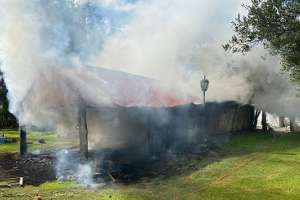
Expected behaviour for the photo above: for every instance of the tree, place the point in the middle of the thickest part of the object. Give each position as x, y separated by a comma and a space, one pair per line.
293, 124
264, 121
276, 25
3, 93
281, 121
256, 115
7, 120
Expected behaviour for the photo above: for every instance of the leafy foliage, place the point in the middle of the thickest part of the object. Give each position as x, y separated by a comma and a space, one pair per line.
7, 120
276, 25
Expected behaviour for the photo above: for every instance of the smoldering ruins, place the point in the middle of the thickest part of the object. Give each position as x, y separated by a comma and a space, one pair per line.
142, 99
129, 137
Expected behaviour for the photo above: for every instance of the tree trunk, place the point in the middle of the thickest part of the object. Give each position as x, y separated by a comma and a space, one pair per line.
264, 121
292, 124
281, 121
83, 133
257, 113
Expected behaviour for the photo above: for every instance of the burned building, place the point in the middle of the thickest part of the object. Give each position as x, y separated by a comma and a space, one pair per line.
117, 110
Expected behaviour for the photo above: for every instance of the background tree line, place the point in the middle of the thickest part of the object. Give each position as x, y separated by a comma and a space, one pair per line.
276, 25
7, 120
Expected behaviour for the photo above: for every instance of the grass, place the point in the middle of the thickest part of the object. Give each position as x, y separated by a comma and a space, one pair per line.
52, 141
254, 166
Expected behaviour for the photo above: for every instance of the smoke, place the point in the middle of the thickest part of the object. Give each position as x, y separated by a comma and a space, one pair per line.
180, 41
68, 167
85, 175
45, 46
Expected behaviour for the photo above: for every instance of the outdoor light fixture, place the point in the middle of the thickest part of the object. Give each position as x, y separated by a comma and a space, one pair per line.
204, 87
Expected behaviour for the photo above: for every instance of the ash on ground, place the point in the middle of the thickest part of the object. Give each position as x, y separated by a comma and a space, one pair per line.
102, 167
35, 168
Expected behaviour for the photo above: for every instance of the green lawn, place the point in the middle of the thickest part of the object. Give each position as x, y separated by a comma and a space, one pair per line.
254, 166
52, 141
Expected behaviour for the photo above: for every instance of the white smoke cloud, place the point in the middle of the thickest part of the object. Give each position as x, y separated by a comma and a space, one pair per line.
45, 45
180, 41
68, 167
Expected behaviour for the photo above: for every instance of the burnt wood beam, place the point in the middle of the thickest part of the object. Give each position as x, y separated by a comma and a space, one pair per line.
83, 133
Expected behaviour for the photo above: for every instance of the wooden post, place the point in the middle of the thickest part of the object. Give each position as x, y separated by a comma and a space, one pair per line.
21, 181
83, 133
23, 141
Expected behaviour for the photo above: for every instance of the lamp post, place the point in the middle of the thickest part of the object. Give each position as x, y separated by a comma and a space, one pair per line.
204, 87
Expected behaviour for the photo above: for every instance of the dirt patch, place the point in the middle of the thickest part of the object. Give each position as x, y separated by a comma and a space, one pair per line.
40, 168
35, 169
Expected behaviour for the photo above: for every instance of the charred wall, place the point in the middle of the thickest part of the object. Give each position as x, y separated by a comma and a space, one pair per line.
155, 131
